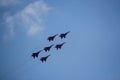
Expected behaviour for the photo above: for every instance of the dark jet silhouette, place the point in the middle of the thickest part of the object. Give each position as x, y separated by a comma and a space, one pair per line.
51, 38
36, 54
48, 48
63, 35
58, 46
44, 58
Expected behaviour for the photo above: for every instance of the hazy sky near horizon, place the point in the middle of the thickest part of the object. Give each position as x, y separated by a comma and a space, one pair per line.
92, 49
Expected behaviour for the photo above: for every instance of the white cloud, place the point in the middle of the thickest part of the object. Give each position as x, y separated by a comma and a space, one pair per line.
30, 18
33, 29
9, 21
8, 2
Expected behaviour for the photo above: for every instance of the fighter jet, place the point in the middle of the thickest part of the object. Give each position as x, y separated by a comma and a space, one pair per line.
63, 35
48, 48
44, 58
51, 38
58, 46
35, 55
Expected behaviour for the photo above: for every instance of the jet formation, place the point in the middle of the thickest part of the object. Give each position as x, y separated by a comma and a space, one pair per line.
48, 48
51, 38
35, 55
43, 59
58, 46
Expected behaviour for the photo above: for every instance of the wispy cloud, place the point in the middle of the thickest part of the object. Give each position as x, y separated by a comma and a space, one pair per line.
30, 18
8, 2
10, 32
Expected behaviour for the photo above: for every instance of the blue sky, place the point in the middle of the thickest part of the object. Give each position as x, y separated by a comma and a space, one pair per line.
92, 49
